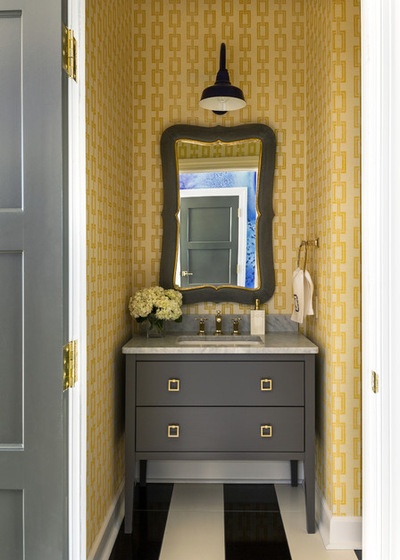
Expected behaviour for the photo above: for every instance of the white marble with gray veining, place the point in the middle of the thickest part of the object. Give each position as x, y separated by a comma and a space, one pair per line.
272, 343
190, 323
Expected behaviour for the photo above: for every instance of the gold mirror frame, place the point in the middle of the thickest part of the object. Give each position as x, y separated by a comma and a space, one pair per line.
170, 172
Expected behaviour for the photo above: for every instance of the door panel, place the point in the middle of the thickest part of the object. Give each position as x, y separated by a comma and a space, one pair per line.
209, 266
11, 531
10, 109
209, 240
32, 286
11, 308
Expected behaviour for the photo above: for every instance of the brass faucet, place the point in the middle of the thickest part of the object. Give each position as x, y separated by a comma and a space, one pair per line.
202, 326
236, 325
218, 323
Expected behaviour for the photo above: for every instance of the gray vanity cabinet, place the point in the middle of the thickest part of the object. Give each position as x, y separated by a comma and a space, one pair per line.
216, 406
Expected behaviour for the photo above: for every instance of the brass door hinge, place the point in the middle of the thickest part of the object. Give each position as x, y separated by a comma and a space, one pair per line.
70, 360
69, 52
374, 382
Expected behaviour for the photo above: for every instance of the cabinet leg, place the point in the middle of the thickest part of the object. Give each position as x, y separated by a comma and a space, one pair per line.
309, 487
142, 472
294, 473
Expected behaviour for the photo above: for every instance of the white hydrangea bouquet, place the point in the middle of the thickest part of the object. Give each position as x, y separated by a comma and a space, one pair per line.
156, 305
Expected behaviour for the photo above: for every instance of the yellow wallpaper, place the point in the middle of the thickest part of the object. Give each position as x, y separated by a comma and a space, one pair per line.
109, 245
333, 215
297, 62
176, 54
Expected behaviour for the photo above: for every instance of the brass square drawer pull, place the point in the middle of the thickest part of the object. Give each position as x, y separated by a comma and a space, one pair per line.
173, 430
266, 384
266, 430
174, 385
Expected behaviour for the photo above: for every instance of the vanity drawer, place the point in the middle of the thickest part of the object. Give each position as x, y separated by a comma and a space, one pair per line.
220, 429
208, 383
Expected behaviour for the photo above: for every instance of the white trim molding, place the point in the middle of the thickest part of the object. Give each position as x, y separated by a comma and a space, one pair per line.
337, 532
77, 287
380, 94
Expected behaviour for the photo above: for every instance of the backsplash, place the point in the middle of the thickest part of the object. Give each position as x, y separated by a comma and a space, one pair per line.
190, 324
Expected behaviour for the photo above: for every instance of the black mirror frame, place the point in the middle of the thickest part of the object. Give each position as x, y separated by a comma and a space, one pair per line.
171, 206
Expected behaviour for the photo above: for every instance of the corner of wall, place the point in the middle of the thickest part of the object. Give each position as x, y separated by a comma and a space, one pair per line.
104, 542
337, 532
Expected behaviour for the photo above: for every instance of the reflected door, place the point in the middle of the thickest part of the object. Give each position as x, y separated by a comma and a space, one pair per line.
209, 240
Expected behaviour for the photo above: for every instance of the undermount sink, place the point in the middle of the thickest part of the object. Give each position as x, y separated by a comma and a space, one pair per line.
220, 340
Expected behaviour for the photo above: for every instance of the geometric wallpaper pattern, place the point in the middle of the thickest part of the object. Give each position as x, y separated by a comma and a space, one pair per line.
298, 64
109, 146
333, 215
175, 55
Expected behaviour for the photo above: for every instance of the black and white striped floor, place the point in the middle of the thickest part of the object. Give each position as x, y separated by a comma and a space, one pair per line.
221, 522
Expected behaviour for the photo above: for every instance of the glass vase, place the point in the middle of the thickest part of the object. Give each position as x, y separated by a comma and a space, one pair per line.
152, 327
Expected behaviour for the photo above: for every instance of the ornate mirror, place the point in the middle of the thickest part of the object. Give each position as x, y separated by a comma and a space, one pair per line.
217, 214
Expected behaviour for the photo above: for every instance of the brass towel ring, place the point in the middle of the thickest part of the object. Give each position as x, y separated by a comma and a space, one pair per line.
302, 244
306, 244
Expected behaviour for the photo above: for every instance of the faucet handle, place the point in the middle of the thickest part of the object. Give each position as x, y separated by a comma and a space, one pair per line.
236, 325
202, 325
218, 323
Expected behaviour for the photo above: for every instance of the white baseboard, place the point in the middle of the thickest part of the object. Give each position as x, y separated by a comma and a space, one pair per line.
337, 532
104, 542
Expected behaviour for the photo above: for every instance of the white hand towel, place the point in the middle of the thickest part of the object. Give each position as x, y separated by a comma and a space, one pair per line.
303, 289
298, 295
308, 294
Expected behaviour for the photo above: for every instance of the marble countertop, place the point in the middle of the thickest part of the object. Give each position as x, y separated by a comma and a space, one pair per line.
272, 343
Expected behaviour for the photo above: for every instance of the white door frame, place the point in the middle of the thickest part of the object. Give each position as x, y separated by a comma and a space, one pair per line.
380, 23
77, 288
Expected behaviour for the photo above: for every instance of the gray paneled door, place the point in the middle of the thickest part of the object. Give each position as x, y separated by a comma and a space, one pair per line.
209, 240
32, 282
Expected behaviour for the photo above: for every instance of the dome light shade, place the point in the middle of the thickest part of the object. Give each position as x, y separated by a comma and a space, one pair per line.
222, 96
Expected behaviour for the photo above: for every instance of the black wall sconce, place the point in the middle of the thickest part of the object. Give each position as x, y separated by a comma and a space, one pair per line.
222, 96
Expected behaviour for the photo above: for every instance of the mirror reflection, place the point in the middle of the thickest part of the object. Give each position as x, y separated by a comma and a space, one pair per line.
217, 213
